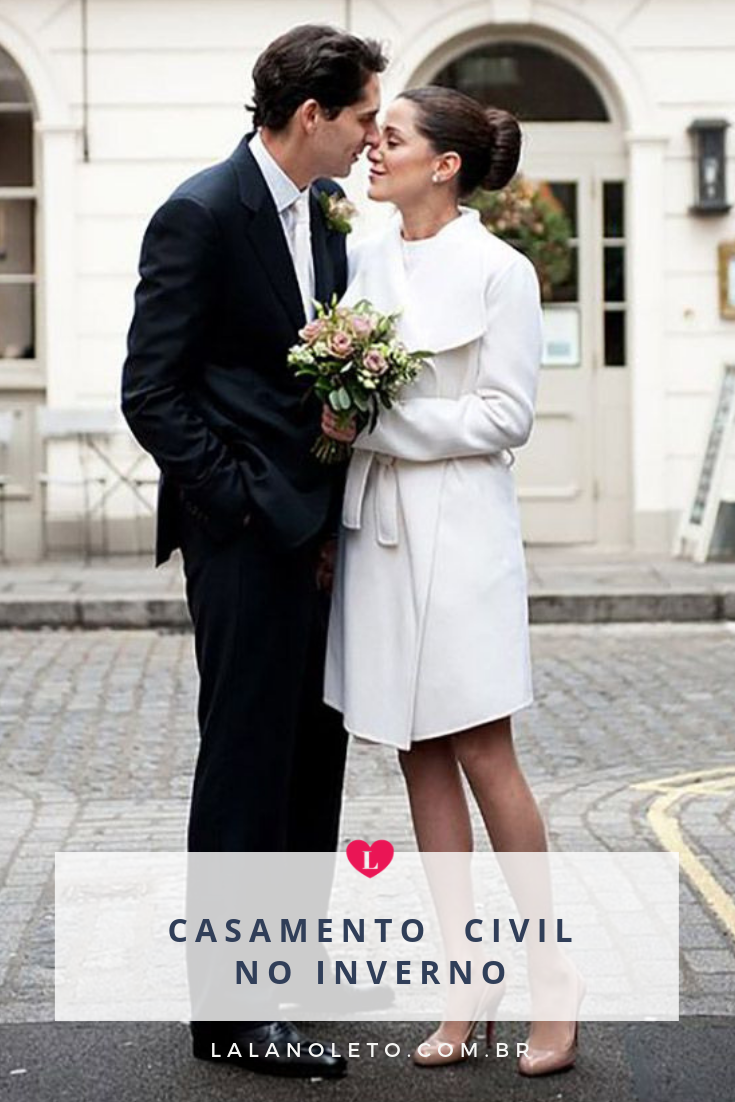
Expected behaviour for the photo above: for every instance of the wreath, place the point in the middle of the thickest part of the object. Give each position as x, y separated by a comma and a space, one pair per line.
529, 217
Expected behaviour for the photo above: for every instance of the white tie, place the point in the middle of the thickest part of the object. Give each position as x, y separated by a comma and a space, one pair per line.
301, 249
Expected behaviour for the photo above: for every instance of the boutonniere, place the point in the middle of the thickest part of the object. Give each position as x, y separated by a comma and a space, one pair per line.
338, 212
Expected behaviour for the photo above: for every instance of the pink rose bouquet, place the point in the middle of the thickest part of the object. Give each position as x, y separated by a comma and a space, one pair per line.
358, 366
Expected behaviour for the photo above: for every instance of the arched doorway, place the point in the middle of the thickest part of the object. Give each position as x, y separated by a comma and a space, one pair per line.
574, 476
21, 372
17, 215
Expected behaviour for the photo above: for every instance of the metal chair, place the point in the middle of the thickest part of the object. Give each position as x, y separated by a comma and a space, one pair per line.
141, 483
102, 471
86, 427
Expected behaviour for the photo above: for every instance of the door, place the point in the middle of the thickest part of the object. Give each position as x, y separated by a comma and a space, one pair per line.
21, 372
572, 476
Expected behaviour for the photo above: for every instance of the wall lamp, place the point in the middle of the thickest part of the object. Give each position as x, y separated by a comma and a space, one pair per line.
710, 182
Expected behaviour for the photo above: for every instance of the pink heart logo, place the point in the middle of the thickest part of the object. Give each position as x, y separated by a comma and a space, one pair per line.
370, 860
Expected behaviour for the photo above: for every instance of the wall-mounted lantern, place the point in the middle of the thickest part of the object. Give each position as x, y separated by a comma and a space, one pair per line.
708, 138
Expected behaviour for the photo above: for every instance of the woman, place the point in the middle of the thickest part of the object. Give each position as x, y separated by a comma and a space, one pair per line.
428, 645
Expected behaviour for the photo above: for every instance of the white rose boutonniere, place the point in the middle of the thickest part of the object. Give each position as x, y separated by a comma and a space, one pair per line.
338, 212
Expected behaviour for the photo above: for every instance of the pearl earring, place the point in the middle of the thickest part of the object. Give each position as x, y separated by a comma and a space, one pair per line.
435, 179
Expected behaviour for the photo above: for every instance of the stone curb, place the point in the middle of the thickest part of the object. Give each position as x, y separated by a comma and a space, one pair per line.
114, 611
94, 612
666, 606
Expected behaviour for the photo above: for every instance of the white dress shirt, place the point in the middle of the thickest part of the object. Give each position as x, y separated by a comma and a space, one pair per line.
285, 196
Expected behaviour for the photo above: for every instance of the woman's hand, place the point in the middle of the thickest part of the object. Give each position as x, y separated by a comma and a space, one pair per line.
336, 428
325, 566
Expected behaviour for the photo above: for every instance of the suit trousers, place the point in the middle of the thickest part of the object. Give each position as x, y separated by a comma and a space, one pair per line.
272, 755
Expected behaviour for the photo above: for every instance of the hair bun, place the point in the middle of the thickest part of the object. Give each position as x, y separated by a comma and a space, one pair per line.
506, 148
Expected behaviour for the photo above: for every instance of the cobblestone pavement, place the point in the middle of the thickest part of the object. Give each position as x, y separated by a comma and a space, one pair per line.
97, 742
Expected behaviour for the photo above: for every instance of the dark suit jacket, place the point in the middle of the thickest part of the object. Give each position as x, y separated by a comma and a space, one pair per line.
206, 388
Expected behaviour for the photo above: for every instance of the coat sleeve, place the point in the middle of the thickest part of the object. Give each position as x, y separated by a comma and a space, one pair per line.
166, 343
498, 414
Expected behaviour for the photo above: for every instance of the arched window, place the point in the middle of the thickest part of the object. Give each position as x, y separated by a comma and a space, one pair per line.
17, 215
536, 84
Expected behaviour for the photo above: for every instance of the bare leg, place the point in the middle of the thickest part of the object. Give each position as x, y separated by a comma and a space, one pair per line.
507, 805
514, 824
441, 823
441, 818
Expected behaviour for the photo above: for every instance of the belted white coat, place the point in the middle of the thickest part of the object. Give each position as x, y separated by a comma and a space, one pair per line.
428, 630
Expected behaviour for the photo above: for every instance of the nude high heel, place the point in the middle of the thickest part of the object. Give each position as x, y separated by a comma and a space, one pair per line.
548, 1061
436, 1050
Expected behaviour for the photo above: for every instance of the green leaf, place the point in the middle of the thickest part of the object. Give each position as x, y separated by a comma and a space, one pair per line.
343, 398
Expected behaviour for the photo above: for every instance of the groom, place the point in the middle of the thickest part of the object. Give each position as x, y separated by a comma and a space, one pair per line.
229, 267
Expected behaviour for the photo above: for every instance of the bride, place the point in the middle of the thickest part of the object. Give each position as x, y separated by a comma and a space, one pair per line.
428, 641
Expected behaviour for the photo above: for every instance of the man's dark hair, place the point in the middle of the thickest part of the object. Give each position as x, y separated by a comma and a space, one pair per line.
312, 62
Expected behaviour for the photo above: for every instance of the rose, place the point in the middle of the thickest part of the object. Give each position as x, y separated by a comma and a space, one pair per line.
343, 208
340, 345
338, 212
375, 362
361, 325
312, 331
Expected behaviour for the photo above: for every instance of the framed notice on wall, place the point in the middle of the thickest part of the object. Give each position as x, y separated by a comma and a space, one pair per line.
727, 280
699, 520
561, 336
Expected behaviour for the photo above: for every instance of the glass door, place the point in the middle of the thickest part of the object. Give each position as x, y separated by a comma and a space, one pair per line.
578, 451
22, 384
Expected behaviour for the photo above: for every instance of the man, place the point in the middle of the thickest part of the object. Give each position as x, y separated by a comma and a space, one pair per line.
228, 273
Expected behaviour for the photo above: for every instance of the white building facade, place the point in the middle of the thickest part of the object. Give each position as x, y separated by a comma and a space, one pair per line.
105, 105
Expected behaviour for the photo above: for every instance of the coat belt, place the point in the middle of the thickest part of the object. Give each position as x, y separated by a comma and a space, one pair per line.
386, 492
386, 495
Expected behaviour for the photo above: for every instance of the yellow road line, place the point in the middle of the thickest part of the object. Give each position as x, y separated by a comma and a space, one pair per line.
664, 823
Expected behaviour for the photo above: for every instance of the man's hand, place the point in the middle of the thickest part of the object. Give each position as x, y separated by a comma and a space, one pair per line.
334, 426
325, 566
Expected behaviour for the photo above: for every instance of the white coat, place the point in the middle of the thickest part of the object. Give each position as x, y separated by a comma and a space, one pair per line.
428, 630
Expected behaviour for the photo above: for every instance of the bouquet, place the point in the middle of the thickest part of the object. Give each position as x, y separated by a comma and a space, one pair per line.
357, 364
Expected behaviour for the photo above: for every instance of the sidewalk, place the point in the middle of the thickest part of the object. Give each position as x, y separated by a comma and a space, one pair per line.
565, 587
97, 753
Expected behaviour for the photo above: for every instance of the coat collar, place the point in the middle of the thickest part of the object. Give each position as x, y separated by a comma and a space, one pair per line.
441, 302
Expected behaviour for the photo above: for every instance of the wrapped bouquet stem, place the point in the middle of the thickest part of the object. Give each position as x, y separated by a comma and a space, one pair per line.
357, 364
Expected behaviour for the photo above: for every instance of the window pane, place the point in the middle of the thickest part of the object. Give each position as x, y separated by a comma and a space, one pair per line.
16, 321
16, 237
614, 273
614, 338
568, 291
613, 210
12, 86
566, 194
534, 83
16, 149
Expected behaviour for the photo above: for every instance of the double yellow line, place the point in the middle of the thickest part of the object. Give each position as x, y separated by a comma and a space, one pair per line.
665, 825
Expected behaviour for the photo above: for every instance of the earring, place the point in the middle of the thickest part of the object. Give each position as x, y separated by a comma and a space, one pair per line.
435, 178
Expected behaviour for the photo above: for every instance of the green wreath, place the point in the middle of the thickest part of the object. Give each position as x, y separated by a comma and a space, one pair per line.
531, 219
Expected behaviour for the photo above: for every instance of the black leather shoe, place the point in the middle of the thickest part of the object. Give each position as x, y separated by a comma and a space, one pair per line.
248, 1048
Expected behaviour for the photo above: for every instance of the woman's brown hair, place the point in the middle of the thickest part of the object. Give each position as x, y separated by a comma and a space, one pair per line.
487, 139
